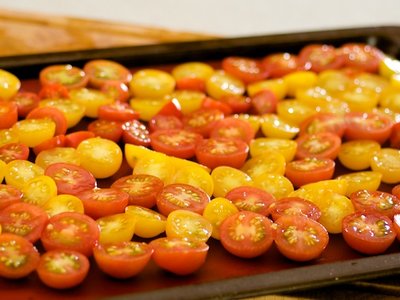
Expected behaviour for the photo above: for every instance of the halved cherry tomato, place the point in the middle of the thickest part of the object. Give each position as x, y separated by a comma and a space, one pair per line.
237, 103
275, 127
368, 233
202, 121
376, 202
368, 126
101, 202
54, 114
9, 195
269, 162
176, 142
357, 154
101, 71
8, 114
364, 180
117, 111
55, 141
193, 174
247, 69
18, 172
73, 111
70, 179
246, 234
179, 256
319, 145
251, 199
116, 228
70, 231
149, 223
286, 147
280, 64
192, 75
317, 57
216, 152
361, 56
106, 129
394, 138
386, 161
300, 238
226, 178
294, 206
124, 259
13, 151
19, 257
210, 103
277, 185
63, 203
162, 122
90, 99
9, 84
39, 190
53, 91
171, 108
33, 132
181, 196
221, 84
188, 100
23, 219
135, 132
151, 83
323, 122
233, 128
264, 102
309, 169
69, 76
182, 223
73, 139
26, 101
119, 91
57, 155
141, 188
62, 269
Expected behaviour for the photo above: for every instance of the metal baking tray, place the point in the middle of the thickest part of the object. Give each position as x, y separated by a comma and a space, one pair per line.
223, 276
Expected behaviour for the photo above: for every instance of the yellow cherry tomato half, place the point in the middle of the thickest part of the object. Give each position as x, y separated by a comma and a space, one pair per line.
286, 147
275, 127
226, 178
73, 111
196, 176
277, 86
58, 154
33, 132
149, 223
269, 162
294, 112
63, 203
363, 180
151, 83
386, 161
18, 172
156, 164
277, 185
39, 190
189, 101
356, 155
8, 136
9, 84
91, 99
299, 80
223, 84
116, 228
147, 107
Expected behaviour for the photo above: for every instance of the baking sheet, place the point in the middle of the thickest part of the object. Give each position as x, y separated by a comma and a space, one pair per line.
224, 276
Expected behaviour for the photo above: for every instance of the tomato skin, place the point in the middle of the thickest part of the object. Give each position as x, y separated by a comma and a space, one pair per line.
101, 202
181, 196
142, 189
251, 199
300, 238
101, 71
216, 152
309, 169
9, 195
247, 69
70, 179
319, 145
23, 219
376, 201
124, 259
179, 256
10, 84
368, 126
176, 142
368, 233
257, 235
8, 114
23, 255
63, 269
317, 58
289, 206
280, 64
13, 151
70, 231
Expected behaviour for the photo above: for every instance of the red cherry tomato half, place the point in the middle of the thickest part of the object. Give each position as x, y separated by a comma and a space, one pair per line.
264, 102
246, 234
70, 179
171, 108
323, 122
210, 103
319, 145
141, 188
26, 101
117, 111
23, 219
13, 151
368, 126
251, 199
70, 231
53, 113
222, 152
63, 269
318, 58
191, 84
179, 256
9, 195
237, 103
53, 91
233, 128
309, 169
280, 64
181, 196
19, 257
294, 206
111, 130
118, 91
55, 141
376, 201
163, 122
300, 238
135, 132
361, 56
246, 69
101, 202
8, 114
202, 121
368, 233
124, 259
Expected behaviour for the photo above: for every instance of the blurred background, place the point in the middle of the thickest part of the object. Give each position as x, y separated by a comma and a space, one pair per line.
224, 18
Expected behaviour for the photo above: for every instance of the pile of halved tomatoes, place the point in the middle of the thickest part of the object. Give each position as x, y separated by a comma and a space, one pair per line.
283, 150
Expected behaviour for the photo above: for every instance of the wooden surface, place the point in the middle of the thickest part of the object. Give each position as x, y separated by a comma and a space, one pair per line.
27, 33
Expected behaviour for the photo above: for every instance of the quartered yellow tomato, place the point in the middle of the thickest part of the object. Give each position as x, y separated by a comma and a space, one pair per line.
226, 178
116, 228
216, 211
286, 147
39, 190
151, 83
386, 161
188, 225
356, 155
149, 223
33, 132
18, 172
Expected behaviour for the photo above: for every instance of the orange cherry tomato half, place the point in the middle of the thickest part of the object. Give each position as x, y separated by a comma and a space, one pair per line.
13, 151
66, 75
